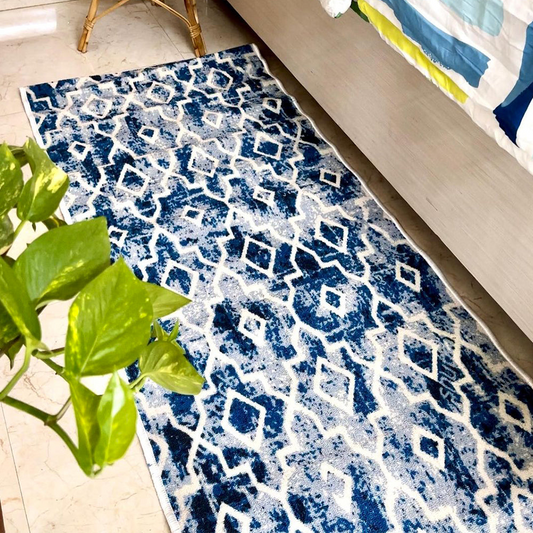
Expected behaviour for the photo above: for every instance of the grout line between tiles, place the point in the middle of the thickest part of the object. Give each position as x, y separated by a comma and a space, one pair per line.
148, 8
37, 5
15, 466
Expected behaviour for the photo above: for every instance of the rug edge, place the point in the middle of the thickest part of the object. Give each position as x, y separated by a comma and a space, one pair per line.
155, 474
138, 69
528, 380
142, 434
29, 114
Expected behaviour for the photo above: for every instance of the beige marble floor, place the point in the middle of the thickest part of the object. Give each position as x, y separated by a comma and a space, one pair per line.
41, 488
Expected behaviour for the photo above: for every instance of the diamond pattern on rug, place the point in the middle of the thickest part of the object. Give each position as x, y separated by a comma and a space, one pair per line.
347, 388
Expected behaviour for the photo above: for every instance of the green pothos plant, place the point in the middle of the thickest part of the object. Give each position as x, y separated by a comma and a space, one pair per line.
112, 320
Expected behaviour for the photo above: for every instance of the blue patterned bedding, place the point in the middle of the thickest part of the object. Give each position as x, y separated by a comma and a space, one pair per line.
480, 52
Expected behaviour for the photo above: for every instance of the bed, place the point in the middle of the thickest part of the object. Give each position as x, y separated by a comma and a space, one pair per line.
472, 193
479, 52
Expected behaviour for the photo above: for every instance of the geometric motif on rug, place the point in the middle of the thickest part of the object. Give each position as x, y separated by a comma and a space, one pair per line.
347, 389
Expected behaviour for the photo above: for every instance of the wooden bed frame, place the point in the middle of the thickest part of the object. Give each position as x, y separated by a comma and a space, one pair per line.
471, 193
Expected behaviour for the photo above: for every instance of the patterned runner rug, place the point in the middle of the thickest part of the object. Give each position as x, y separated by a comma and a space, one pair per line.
347, 387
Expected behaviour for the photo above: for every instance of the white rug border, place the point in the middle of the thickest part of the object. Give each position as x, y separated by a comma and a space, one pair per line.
415, 246
142, 434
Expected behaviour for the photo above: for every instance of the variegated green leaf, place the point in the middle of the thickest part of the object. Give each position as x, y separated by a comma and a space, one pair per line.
85, 404
42, 193
17, 304
62, 261
19, 154
108, 321
6, 233
8, 333
54, 222
10, 180
164, 301
165, 363
117, 418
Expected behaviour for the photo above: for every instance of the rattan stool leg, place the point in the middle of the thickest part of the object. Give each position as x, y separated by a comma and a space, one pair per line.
194, 28
88, 26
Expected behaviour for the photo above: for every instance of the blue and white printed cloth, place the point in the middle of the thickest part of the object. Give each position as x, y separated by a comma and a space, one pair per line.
347, 389
483, 50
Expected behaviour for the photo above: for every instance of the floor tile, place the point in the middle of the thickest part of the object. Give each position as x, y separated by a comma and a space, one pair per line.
221, 26
123, 498
15, 128
127, 38
17, 4
10, 494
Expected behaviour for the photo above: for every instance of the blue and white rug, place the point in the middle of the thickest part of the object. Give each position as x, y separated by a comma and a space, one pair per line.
347, 387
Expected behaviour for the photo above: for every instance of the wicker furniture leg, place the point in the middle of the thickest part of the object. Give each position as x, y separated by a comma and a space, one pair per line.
88, 26
191, 20
194, 28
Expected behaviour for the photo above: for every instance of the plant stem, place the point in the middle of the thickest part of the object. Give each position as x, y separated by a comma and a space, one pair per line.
41, 415
7, 389
58, 351
58, 369
19, 228
41, 354
59, 414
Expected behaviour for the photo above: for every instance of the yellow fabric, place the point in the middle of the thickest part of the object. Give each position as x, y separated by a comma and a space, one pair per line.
395, 36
